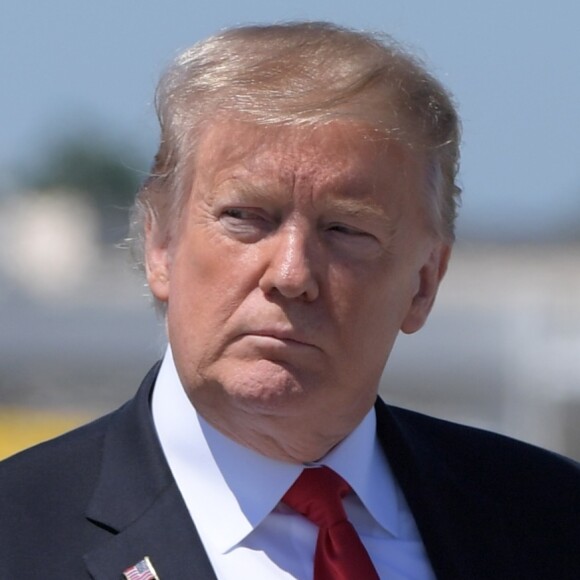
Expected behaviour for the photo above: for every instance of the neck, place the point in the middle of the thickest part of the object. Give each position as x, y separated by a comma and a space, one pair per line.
279, 438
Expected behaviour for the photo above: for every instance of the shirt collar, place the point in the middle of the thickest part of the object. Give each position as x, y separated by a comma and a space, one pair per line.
229, 478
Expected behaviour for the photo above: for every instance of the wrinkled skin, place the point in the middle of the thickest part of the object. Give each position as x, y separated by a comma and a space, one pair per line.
299, 256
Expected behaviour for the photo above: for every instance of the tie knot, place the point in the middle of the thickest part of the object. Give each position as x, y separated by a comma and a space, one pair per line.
317, 494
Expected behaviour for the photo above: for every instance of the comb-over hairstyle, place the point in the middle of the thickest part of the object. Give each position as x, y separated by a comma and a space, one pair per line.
303, 73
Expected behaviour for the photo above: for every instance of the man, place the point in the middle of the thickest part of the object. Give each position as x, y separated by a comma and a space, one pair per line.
299, 215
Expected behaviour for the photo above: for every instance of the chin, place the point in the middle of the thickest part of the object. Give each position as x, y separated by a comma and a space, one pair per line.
266, 385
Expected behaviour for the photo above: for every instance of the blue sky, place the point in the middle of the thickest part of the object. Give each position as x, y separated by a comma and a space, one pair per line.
514, 68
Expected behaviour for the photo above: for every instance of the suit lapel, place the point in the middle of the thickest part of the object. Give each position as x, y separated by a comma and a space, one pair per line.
137, 500
460, 525
165, 534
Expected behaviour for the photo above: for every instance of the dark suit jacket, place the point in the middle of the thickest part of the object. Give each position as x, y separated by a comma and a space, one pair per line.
95, 501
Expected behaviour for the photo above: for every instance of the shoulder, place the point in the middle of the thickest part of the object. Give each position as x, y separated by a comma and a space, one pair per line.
486, 456
65, 464
61, 472
53, 491
478, 449
67, 446
45, 491
79, 449
518, 479
512, 504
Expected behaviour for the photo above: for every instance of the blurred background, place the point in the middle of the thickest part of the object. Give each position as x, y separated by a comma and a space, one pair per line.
77, 330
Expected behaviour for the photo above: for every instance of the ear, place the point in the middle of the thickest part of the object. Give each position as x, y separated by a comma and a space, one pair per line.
430, 276
156, 260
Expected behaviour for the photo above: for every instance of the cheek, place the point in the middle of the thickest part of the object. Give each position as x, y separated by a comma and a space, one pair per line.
371, 308
198, 263
210, 279
217, 257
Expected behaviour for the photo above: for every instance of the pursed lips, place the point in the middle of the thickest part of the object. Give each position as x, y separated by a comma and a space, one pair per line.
283, 335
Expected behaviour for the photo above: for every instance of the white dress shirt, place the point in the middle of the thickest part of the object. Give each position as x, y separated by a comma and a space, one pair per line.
233, 495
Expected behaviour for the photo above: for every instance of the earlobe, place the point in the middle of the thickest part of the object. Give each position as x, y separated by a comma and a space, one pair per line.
156, 261
430, 276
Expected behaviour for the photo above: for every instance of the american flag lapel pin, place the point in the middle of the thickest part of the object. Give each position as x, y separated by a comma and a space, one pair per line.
142, 570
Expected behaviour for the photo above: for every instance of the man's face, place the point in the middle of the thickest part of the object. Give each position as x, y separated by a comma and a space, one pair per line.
298, 257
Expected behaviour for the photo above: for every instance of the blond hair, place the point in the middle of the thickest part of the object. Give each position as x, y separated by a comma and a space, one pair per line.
299, 73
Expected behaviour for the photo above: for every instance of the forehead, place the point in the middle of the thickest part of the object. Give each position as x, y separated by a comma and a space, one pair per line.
342, 157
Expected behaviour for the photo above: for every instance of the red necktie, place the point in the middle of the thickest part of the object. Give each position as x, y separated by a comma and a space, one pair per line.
340, 555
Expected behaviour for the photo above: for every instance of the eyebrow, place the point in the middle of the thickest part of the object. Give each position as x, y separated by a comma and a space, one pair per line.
352, 207
358, 208
235, 185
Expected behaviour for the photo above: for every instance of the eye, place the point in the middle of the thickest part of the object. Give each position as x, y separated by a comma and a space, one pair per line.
352, 242
247, 224
345, 230
240, 214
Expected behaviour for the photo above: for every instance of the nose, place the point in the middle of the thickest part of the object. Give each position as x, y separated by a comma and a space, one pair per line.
291, 265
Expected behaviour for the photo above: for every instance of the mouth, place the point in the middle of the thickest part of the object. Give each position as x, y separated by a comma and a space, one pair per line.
288, 337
